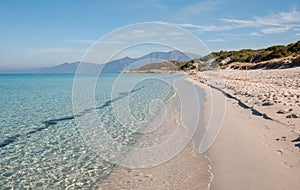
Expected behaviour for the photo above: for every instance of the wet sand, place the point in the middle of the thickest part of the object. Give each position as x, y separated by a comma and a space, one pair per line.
187, 170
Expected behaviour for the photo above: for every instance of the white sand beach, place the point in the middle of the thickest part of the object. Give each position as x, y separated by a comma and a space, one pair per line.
257, 148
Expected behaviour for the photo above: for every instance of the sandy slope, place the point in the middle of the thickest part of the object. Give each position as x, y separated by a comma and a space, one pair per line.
246, 154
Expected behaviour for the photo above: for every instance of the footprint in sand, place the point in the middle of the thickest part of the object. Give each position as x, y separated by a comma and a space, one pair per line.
281, 139
287, 165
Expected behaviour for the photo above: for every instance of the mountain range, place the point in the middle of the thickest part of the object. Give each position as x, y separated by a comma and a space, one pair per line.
115, 66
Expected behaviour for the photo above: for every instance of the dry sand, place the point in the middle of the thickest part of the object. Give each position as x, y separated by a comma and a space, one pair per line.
252, 152
275, 93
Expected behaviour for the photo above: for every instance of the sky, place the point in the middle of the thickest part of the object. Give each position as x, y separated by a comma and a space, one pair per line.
50, 32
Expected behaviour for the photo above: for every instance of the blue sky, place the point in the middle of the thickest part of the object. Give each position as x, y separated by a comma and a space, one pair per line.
50, 32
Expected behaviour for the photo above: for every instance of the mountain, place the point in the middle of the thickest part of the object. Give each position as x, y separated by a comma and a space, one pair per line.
70, 68
128, 63
115, 66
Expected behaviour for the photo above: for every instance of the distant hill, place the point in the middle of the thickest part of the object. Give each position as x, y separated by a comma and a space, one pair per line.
60, 69
168, 65
70, 68
115, 66
164, 67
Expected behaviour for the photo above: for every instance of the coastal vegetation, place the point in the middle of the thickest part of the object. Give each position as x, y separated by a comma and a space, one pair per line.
224, 58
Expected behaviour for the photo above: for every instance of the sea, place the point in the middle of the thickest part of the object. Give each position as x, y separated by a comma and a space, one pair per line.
42, 145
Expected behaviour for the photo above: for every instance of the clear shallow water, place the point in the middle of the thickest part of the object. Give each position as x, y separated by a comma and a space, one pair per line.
40, 144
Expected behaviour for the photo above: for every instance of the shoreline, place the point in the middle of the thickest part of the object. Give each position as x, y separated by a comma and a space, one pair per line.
187, 170
252, 151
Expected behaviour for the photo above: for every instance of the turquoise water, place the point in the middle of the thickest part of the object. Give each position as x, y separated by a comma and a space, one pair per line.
40, 143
